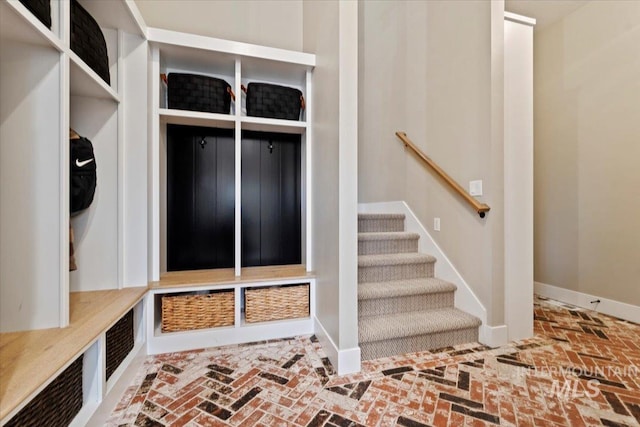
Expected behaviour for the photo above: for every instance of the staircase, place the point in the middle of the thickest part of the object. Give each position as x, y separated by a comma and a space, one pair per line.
402, 308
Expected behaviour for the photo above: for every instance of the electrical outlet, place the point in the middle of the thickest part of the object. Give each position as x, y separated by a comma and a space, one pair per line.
436, 224
475, 188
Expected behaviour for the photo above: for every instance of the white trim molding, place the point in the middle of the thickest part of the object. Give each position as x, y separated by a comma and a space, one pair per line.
520, 19
465, 299
605, 306
493, 336
344, 361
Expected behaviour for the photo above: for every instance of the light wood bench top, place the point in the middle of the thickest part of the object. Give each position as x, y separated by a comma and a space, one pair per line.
29, 359
226, 276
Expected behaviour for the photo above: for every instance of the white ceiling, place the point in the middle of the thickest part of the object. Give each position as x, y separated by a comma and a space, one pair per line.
544, 11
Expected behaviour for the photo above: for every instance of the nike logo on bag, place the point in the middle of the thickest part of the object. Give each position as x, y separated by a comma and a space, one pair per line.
83, 163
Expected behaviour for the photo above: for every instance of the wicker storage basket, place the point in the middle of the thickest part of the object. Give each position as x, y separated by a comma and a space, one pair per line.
198, 93
57, 404
273, 101
188, 312
276, 303
87, 41
41, 9
119, 342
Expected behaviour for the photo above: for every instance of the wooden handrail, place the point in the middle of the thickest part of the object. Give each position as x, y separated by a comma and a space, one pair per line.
480, 208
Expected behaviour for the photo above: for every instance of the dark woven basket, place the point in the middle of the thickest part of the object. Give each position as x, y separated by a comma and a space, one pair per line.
195, 92
87, 41
119, 342
273, 101
41, 9
57, 404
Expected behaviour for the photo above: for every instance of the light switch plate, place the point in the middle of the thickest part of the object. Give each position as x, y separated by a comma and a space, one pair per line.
475, 188
436, 224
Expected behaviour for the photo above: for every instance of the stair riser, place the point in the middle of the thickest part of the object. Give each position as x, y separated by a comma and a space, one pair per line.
395, 246
405, 304
380, 225
386, 348
384, 273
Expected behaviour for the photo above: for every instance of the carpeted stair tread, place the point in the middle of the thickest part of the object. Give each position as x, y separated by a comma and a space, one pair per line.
402, 288
371, 216
394, 259
388, 235
394, 326
402, 308
368, 223
389, 242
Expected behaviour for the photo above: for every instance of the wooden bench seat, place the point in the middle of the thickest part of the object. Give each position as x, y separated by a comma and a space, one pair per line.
30, 360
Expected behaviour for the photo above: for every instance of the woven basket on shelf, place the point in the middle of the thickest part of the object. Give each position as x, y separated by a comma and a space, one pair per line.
119, 342
276, 303
196, 92
41, 9
273, 101
87, 41
189, 312
56, 405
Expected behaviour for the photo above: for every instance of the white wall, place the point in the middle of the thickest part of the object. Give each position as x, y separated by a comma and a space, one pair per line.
587, 146
330, 31
275, 23
434, 70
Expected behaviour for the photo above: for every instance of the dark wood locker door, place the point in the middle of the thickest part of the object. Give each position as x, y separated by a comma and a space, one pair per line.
271, 199
200, 198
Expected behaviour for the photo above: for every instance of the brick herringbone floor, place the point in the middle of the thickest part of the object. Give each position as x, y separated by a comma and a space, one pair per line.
581, 369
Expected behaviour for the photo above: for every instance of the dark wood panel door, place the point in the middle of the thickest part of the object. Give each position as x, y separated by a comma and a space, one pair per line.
271, 199
200, 198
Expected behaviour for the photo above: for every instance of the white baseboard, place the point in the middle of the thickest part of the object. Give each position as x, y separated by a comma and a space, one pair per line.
493, 336
465, 299
606, 306
344, 361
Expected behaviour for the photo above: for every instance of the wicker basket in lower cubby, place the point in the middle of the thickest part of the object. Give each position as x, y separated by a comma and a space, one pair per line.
120, 341
186, 312
56, 405
276, 303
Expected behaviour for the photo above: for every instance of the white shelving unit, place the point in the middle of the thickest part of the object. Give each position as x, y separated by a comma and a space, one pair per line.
46, 89
238, 64
240, 332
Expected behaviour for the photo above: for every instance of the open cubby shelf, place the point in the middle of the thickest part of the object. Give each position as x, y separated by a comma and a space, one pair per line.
203, 281
237, 64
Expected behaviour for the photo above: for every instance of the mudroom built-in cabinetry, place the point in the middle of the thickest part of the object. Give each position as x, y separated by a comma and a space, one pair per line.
229, 198
192, 210
78, 330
